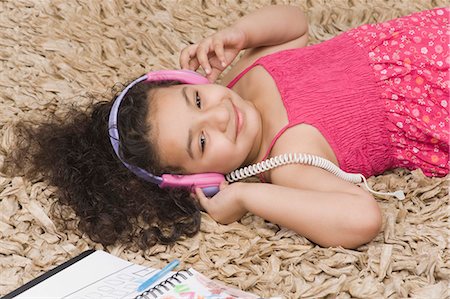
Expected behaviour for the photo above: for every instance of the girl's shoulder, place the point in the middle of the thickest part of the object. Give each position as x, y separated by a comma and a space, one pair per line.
306, 139
251, 55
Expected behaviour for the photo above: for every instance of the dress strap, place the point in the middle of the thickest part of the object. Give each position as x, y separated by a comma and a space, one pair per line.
272, 143
241, 74
275, 140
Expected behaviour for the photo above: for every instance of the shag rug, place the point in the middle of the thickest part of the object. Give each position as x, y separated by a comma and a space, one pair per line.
53, 53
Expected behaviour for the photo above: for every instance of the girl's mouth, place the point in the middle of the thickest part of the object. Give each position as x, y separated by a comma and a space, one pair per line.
238, 120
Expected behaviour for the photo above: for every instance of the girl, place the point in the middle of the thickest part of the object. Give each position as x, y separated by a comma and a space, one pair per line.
371, 99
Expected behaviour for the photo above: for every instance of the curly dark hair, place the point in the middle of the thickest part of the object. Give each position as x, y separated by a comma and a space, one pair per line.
73, 152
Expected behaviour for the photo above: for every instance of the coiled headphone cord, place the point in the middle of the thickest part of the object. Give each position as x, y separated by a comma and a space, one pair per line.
308, 159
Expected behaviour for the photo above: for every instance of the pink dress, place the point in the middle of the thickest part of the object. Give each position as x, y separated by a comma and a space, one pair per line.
378, 93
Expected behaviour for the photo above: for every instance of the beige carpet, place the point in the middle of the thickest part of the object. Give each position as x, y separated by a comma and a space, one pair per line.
52, 53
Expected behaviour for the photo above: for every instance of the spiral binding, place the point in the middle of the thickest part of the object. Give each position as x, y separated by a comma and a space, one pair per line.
308, 159
165, 286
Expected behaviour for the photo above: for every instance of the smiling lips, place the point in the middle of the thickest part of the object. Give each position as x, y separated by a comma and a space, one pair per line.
238, 120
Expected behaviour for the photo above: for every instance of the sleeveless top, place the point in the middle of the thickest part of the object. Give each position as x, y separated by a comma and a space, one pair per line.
331, 87
377, 93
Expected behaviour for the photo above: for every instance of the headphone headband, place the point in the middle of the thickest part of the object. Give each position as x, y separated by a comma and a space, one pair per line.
183, 76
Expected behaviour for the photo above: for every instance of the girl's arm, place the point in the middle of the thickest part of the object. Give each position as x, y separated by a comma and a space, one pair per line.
272, 25
326, 218
326, 210
266, 30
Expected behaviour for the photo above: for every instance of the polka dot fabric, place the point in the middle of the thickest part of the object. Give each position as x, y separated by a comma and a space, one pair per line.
410, 60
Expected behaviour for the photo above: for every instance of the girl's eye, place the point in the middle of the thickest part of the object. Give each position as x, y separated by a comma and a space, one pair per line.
198, 101
202, 142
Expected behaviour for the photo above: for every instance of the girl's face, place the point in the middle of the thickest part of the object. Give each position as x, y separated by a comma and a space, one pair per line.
204, 128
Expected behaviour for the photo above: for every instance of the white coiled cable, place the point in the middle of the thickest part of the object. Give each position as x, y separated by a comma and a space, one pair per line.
308, 159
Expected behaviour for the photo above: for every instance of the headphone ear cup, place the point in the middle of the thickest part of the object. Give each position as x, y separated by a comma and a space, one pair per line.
210, 191
208, 182
183, 76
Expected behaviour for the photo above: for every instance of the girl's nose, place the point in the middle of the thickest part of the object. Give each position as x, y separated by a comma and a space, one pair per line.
217, 117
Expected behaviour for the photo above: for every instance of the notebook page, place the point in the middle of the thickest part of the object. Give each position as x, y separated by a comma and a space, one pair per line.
199, 286
98, 275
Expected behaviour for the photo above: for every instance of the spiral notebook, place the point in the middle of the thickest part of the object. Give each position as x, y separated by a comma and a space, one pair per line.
97, 274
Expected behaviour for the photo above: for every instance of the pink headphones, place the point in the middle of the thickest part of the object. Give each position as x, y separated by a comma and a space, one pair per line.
208, 182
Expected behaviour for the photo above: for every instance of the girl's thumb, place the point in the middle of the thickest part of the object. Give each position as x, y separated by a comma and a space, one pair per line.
223, 185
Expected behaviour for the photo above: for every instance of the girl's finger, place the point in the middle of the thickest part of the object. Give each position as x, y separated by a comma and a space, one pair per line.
186, 56
220, 53
213, 75
202, 199
194, 197
223, 185
193, 64
202, 57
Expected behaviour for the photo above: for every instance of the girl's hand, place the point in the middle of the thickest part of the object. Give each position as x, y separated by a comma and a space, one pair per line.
213, 53
225, 207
